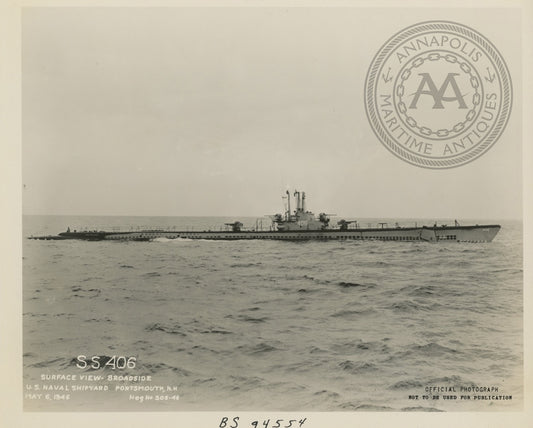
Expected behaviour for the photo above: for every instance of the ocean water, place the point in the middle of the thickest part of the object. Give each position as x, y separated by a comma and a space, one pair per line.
271, 325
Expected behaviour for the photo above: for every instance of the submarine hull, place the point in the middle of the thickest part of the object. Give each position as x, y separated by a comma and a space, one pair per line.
478, 233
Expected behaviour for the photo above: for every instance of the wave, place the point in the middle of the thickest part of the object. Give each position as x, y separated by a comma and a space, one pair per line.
422, 354
250, 319
432, 349
448, 380
421, 409
352, 313
166, 239
104, 319
355, 284
165, 329
91, 278
260, 348
324, 393
405, 306
246, 383
150, 274
407, 384
54, 362
240, 265
214, 330
315, 280
157, 368
317, 350
203, 381
366, 407
427, 290
357, 367
81, 292
355, 346
512, 271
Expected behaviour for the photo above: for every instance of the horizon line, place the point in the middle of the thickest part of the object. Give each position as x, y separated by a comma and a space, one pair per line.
267, 215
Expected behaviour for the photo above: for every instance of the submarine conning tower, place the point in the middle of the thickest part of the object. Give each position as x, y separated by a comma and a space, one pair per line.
300, 219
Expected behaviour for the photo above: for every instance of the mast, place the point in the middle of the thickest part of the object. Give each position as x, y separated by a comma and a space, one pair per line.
289, 205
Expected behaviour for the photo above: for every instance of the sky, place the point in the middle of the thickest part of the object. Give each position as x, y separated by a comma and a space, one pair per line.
218, 111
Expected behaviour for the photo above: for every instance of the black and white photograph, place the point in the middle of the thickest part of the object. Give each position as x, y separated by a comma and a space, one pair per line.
272, 213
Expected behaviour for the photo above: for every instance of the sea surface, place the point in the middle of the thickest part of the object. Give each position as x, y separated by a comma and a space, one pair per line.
271, 325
